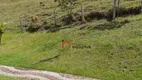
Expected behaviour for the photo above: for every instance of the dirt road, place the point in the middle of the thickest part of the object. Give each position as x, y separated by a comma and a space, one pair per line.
29, 74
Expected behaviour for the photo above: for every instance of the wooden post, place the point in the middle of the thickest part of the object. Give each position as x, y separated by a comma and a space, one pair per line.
114, 9
82, 14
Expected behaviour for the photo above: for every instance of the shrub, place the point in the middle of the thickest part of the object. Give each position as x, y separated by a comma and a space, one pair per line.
1, 30
96, 15
1, 27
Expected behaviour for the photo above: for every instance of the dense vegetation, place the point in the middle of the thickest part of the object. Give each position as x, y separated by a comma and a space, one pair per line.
116, 45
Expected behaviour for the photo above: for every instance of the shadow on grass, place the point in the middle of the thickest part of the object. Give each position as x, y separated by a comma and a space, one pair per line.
110, 25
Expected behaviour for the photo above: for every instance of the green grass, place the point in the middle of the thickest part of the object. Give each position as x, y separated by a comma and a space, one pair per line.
8, 78
115, 54
11, 10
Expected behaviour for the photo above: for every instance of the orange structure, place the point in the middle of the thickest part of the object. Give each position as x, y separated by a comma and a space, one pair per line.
66, 42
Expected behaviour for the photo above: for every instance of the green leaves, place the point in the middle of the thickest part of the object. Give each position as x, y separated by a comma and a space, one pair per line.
66, 4
2, 26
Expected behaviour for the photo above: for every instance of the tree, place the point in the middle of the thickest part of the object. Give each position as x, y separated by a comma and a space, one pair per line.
141, 6
1, 30
82, 14
55, 19
118, 3
114, 8
68, 5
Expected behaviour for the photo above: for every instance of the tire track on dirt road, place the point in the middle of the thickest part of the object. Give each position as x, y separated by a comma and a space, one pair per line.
37, 74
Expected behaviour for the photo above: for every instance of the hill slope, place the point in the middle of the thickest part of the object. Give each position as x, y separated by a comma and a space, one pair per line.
11, 10
114, 54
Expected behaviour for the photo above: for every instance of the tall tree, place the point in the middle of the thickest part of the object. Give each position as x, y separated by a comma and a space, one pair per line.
67, 4
114, 8
55, 18
118, 3
82, 14
141, 6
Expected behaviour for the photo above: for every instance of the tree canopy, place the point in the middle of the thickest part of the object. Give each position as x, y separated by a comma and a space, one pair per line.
66, 4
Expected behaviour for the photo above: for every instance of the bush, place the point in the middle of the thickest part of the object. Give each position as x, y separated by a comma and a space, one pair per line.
96, 15
71, 18
1, 27
124, 12
33, 27
1, 30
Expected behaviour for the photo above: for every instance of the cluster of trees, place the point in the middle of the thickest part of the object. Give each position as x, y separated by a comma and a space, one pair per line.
69, 5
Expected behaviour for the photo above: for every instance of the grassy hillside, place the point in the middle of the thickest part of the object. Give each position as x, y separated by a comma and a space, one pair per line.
115, 54
11, 10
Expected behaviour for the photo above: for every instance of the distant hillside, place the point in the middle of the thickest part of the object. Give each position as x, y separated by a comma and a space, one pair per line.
11, 10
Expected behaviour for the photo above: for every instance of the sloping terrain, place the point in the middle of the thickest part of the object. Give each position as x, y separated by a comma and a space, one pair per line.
27, 74
114, 53
11, 10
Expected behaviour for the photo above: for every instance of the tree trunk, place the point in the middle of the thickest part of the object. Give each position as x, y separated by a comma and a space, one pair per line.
21, 24
55, 20
114, 9
141, 6
0, 36
0, 39
82, 14
118, 4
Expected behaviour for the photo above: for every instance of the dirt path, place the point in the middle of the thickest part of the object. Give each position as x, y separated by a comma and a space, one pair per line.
37, 74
